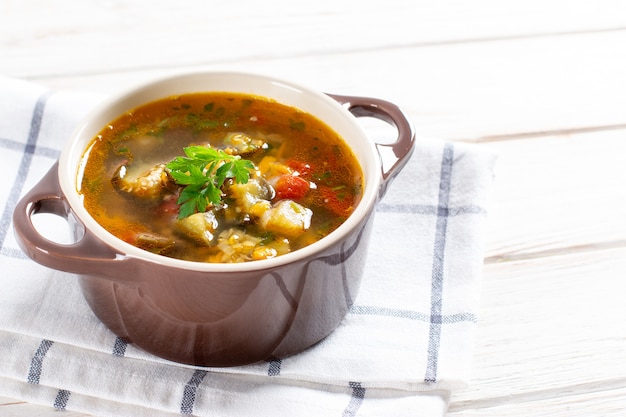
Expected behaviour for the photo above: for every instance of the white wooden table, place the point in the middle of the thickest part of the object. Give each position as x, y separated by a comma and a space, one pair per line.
541, 82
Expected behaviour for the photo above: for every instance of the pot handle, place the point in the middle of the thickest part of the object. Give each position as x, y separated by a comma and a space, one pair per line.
87, 255
393, 156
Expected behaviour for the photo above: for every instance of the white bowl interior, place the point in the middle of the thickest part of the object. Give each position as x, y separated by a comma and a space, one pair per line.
318, 104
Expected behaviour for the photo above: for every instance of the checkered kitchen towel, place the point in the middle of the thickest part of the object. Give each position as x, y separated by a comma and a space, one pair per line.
405, 345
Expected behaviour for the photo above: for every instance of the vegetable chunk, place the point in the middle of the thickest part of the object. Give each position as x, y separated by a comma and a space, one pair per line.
287, 218
199, 227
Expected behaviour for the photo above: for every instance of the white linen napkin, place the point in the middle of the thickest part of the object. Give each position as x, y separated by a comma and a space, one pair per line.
405, 345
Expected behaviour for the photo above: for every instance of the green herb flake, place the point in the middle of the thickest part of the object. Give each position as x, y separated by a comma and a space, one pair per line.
205, 125
128, 133
198, 123
266, 238
297, 125
322, 176
202, 172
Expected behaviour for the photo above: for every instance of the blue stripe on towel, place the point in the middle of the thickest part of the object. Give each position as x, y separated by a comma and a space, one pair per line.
358, 395
61, 400
413, 315
436, 295
426, 209
44, 151
119, 348
13, 253
189, 394
22, 173
36, 363
274, 367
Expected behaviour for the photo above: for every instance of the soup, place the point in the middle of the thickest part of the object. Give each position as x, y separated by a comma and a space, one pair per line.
219, 177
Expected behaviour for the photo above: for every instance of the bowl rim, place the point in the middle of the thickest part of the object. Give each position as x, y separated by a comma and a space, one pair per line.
69, 171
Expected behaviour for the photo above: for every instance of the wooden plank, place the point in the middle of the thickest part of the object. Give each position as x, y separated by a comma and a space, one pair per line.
459, 92
12, 407
4, 401
605, 403
70, 37
463, 71
550, 328
557, 193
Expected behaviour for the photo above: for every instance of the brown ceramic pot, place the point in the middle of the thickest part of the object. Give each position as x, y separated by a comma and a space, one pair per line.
218, 314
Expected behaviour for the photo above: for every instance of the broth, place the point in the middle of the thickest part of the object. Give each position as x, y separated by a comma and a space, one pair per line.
303, 181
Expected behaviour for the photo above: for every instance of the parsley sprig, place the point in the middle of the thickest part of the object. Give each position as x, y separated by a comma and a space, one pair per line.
202, 173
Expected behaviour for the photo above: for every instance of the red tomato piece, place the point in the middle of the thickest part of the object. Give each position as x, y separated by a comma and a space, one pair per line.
336, 201
301, 167
291, 187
